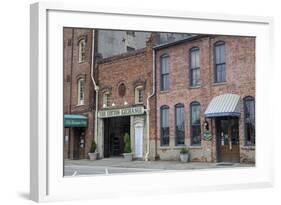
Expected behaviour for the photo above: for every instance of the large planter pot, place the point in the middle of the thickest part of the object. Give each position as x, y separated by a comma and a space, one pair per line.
128, 156
184, 157
93, 155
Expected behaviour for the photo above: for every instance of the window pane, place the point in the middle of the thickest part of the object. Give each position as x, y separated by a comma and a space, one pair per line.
164, 112
180, 125
195, 125
249, 117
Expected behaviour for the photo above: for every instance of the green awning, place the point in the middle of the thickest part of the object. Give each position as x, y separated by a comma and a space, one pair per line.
75, 121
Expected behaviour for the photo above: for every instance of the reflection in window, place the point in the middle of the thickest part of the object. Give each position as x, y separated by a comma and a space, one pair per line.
164, 122
194, 67
81, 91
164, 71
82, 50
195, 123
219, 57
179, 124
249, 118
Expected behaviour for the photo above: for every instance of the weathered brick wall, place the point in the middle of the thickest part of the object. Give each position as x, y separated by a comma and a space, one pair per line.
73, 70
240, 72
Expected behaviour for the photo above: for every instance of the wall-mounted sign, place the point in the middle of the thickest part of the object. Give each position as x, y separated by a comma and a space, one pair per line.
121, 112
207, 136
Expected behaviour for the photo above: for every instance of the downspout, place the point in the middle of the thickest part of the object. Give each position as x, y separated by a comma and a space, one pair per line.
148, 107
96, 87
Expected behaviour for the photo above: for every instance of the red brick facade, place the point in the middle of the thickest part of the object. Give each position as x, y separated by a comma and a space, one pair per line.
136, 68
73, 71
240, 80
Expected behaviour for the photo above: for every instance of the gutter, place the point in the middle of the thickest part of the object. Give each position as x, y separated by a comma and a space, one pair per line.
148, 107
96, 87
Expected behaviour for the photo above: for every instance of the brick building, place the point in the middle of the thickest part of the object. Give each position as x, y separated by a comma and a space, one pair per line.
78, 93
197, 93
205, 98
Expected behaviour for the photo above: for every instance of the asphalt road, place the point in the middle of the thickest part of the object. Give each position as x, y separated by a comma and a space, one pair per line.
75, 170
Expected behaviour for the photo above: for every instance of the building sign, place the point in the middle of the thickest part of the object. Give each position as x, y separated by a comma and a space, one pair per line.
75, 121
121, 112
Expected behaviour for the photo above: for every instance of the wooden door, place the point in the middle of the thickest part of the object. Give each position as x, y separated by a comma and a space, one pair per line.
228, 139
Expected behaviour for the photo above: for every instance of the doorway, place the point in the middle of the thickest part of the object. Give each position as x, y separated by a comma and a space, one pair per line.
138, 140
114, 131
227, 139
78, 143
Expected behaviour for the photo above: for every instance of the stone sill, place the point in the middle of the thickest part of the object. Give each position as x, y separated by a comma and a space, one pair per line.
164, 91
195, 147
195, 87
221, 83
248, 147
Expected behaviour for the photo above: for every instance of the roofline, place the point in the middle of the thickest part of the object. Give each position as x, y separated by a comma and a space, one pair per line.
181, 41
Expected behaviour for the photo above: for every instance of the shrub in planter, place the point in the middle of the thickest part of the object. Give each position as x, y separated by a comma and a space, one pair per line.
93, 154
128, 155
184, 155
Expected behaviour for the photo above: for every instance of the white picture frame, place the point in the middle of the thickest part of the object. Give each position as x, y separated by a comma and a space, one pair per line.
46, 140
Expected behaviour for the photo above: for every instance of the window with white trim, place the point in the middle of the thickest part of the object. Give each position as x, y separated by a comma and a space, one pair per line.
82, 50
139, 94
81, 91
106, 99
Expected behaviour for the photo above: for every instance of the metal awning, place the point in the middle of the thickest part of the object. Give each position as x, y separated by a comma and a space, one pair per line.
75, 121
223, 105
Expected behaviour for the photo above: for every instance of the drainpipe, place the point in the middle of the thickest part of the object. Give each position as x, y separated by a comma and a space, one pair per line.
96, 87
148, 107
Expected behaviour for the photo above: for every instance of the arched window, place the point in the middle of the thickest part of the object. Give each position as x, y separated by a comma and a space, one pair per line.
106, 99
164, 125
249, 120
195, 132
219, 62
82, 50
194, 66
164, 72
81, 91
179, 124
139, 94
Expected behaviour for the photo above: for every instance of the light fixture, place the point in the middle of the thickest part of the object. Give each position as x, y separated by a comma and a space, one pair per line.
125, 103
113, 104
104, 105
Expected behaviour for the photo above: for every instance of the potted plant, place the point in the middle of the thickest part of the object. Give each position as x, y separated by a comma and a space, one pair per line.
184, 155
128, 155
93, 154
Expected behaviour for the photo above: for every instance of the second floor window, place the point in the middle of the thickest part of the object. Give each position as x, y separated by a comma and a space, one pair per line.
219, 58
179, 124
195, 123
164, 126
106, 99
82, 50
81, 91
164, 72
194, 67
139, 94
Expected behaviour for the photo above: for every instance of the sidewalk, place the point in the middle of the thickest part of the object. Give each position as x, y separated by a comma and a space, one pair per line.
119, 162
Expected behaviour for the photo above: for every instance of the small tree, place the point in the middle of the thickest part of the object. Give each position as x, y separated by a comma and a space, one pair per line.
184, 150
127, 143
93, 147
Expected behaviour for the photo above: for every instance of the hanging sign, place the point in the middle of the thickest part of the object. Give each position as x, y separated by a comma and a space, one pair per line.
121, 112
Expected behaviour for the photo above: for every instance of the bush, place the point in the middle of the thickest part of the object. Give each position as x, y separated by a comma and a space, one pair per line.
127, 143
184, 150
93, 146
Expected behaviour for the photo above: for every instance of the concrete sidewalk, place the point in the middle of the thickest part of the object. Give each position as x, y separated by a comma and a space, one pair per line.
119, 162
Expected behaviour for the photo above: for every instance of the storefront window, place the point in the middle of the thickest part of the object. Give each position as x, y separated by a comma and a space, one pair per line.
249, 113
164, 120
179, 124
195, 123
